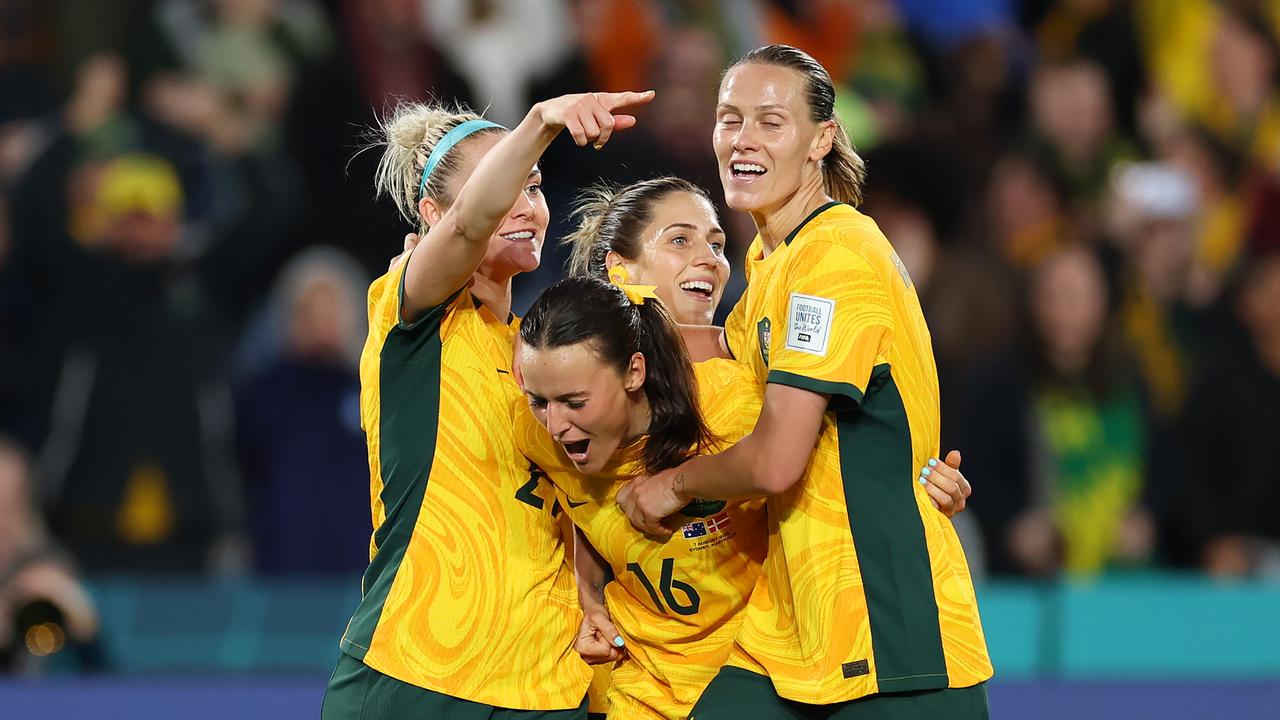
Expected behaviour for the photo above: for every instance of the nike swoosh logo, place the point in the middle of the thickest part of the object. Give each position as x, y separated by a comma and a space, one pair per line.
573, 504
504, 372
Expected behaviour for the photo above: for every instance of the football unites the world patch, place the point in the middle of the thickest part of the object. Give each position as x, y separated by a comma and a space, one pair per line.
809, 323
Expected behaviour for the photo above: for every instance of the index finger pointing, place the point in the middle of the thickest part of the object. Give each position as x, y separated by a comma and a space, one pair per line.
612, 100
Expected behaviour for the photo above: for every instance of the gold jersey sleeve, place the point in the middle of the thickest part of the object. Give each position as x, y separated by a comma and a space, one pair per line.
677, 602
467, 592
865, 588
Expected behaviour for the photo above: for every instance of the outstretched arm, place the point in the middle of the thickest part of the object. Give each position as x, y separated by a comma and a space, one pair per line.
767, 461
452, 249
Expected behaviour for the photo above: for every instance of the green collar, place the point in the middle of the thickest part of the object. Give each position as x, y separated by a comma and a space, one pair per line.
807, 220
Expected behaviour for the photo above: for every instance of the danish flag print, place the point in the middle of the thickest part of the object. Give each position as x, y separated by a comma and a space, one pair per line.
718, 523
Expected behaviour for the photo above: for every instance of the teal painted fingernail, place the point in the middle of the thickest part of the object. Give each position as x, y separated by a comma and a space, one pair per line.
925, 472
618, 641
933, 462
923, 481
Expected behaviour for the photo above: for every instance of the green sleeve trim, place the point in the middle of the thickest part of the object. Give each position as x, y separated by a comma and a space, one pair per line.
823, 387
426, 314
411, 342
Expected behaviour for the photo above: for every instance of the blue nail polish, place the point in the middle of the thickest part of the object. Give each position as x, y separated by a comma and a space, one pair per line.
923, 481
925, 472
933, 462
618, 641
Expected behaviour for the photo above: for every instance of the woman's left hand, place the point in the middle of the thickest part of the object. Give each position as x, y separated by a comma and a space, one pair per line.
947, 487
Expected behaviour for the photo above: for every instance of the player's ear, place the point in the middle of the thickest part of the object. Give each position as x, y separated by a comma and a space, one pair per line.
614, 258
633, 379
823, 140
430, 211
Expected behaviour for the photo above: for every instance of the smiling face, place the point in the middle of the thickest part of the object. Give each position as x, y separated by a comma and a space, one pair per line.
588, 406
765, 142
516, 246
682, 253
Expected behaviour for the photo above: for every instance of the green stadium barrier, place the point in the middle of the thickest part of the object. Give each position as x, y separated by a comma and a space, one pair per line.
198, 626
1124, 628
1166, 628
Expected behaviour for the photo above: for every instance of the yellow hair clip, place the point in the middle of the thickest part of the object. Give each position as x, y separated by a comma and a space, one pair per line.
619, 276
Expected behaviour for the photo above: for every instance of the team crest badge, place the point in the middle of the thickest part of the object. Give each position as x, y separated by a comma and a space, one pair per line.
700, 508
762, 330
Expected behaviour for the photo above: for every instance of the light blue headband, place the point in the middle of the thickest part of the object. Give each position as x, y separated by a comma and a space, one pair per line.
459, 133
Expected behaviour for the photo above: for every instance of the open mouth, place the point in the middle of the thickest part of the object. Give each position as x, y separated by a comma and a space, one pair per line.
698, 289
518, 236
746, 171
576, 450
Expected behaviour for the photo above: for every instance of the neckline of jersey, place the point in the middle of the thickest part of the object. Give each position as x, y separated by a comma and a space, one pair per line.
792, 235
511, 316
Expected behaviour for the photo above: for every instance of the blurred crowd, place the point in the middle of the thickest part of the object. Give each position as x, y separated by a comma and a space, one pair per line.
1086, 193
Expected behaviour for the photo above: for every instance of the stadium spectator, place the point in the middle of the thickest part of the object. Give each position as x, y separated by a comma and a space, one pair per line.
1104, 31
1151, 216
298, 423
393, 55
124, 370
1073, 127
1059, 433
1026, 211
46, 614
1232, 416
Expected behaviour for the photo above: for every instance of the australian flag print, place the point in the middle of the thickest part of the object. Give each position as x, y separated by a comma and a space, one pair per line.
694, 530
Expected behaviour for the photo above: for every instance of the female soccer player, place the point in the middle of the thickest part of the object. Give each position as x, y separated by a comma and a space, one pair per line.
613, 394
664, 232
865, 607
465, 609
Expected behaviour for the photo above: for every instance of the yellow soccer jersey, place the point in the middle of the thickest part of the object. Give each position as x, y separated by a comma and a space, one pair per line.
865, 588
467, 591
598, 693
676, 602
